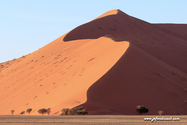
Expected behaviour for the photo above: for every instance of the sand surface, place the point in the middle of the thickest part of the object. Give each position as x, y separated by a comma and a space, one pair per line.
89, 120
108, 65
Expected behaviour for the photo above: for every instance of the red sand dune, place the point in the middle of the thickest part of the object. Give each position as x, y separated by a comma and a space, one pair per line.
108, 65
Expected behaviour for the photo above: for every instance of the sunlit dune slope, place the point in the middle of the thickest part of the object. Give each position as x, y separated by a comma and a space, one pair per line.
108, 65
58, 75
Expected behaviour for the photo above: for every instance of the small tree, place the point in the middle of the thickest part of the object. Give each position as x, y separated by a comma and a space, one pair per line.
23, 112
48, 111
29, 110
141, 109
12, 111
42, 111
160, 112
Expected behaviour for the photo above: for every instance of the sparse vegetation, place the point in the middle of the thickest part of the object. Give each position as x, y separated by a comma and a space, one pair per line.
185, 90
64, 111
141, 109
74, 111
35, 97
12, 112
22, 113
90, 59
71, 112
29, 110
182, 77
42, 111
100, 27
160, 75
48, 111
160, 112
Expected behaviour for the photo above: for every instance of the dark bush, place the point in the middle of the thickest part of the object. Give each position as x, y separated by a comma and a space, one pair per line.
23, 112
64, 111
29, 110
74, 111
42, 111
141, 109
80, 111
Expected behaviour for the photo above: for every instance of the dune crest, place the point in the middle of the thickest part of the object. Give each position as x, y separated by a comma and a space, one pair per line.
111, 12
108, 65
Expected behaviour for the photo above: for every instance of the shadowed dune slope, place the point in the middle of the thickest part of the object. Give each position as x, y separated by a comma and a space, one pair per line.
178, 30
138, 79
108, 65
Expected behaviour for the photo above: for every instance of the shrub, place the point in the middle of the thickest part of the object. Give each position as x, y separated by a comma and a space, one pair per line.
71, 112
23, 112
42, 111
141, 109
29, 110
80, 111
12, 111
64, 111
74, 111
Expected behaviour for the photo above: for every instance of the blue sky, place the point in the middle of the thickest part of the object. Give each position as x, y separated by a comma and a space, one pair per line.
27, 25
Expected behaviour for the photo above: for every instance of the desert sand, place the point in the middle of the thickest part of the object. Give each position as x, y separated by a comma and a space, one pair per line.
108, 65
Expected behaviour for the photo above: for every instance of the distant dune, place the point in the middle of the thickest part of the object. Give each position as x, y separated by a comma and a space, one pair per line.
108, 65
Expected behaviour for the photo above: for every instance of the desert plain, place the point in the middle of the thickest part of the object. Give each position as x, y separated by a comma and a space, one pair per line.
90, 120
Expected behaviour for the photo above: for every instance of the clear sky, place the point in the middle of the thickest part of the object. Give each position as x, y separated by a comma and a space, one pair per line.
27, 25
